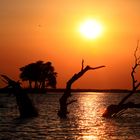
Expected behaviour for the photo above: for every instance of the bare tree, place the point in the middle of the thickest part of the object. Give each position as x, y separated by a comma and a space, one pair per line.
117, 110
24, 103
62, 113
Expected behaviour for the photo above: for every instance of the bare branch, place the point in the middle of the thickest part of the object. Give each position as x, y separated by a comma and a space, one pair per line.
62, 113
135, 85
72, 101
4, 81
137, 63
82, 64
115, 110
135, 53
24, 103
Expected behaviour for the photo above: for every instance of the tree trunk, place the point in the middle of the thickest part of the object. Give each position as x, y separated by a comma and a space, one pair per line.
113, 110
117, 110
24, 103
36, 84
62, 113
127, 96
30, 84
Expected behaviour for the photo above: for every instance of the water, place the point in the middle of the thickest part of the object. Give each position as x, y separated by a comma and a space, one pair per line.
85, 120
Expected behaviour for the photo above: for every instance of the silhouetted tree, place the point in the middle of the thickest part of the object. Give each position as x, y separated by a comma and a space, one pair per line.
62, 113
24, 103
117, 110
47, 76
42, 74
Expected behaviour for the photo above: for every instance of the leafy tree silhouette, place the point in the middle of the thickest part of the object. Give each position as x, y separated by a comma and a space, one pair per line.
40, 73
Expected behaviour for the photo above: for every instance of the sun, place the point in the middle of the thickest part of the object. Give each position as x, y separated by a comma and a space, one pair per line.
91, 29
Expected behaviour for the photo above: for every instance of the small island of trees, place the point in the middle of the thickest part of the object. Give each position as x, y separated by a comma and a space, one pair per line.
41, 74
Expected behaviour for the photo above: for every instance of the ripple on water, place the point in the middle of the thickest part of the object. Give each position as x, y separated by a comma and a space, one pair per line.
84, 122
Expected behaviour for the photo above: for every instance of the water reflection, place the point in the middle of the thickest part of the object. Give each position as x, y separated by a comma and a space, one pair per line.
85, 120
90, 138
89, 118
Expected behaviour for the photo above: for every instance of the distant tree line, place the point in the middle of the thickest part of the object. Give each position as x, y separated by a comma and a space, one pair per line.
39, 74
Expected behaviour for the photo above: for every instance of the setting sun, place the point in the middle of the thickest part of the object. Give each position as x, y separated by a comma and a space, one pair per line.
69, 69
91, 29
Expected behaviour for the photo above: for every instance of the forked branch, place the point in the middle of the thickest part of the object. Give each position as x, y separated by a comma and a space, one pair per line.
62, 113
114, 110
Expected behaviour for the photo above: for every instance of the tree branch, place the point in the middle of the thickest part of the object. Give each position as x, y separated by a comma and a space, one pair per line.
82, 64
62, 113
24, 103
72, 101
113, 110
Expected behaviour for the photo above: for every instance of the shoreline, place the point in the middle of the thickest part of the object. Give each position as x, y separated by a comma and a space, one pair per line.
72, 90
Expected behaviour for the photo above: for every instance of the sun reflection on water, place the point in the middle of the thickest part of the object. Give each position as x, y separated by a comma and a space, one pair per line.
88, 106
87, 117
89, 137
90, 122
84, 122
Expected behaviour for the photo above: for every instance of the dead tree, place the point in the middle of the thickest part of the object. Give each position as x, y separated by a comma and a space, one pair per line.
117, 110
62, 113
24, 103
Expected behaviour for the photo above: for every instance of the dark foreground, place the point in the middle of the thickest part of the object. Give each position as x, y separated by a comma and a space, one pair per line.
85, 120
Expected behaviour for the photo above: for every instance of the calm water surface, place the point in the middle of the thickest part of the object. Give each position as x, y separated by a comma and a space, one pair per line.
85, 120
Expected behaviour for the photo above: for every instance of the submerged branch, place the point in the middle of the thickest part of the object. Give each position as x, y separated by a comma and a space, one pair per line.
24, 103
116, 110
72, 101
113, 110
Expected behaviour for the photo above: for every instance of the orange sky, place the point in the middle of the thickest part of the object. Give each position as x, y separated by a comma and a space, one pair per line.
47, 30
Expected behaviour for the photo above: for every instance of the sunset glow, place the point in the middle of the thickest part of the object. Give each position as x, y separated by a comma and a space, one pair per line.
91, 29
65, 32
69, 69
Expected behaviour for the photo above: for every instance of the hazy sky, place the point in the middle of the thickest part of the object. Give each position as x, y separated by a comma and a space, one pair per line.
48, 30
